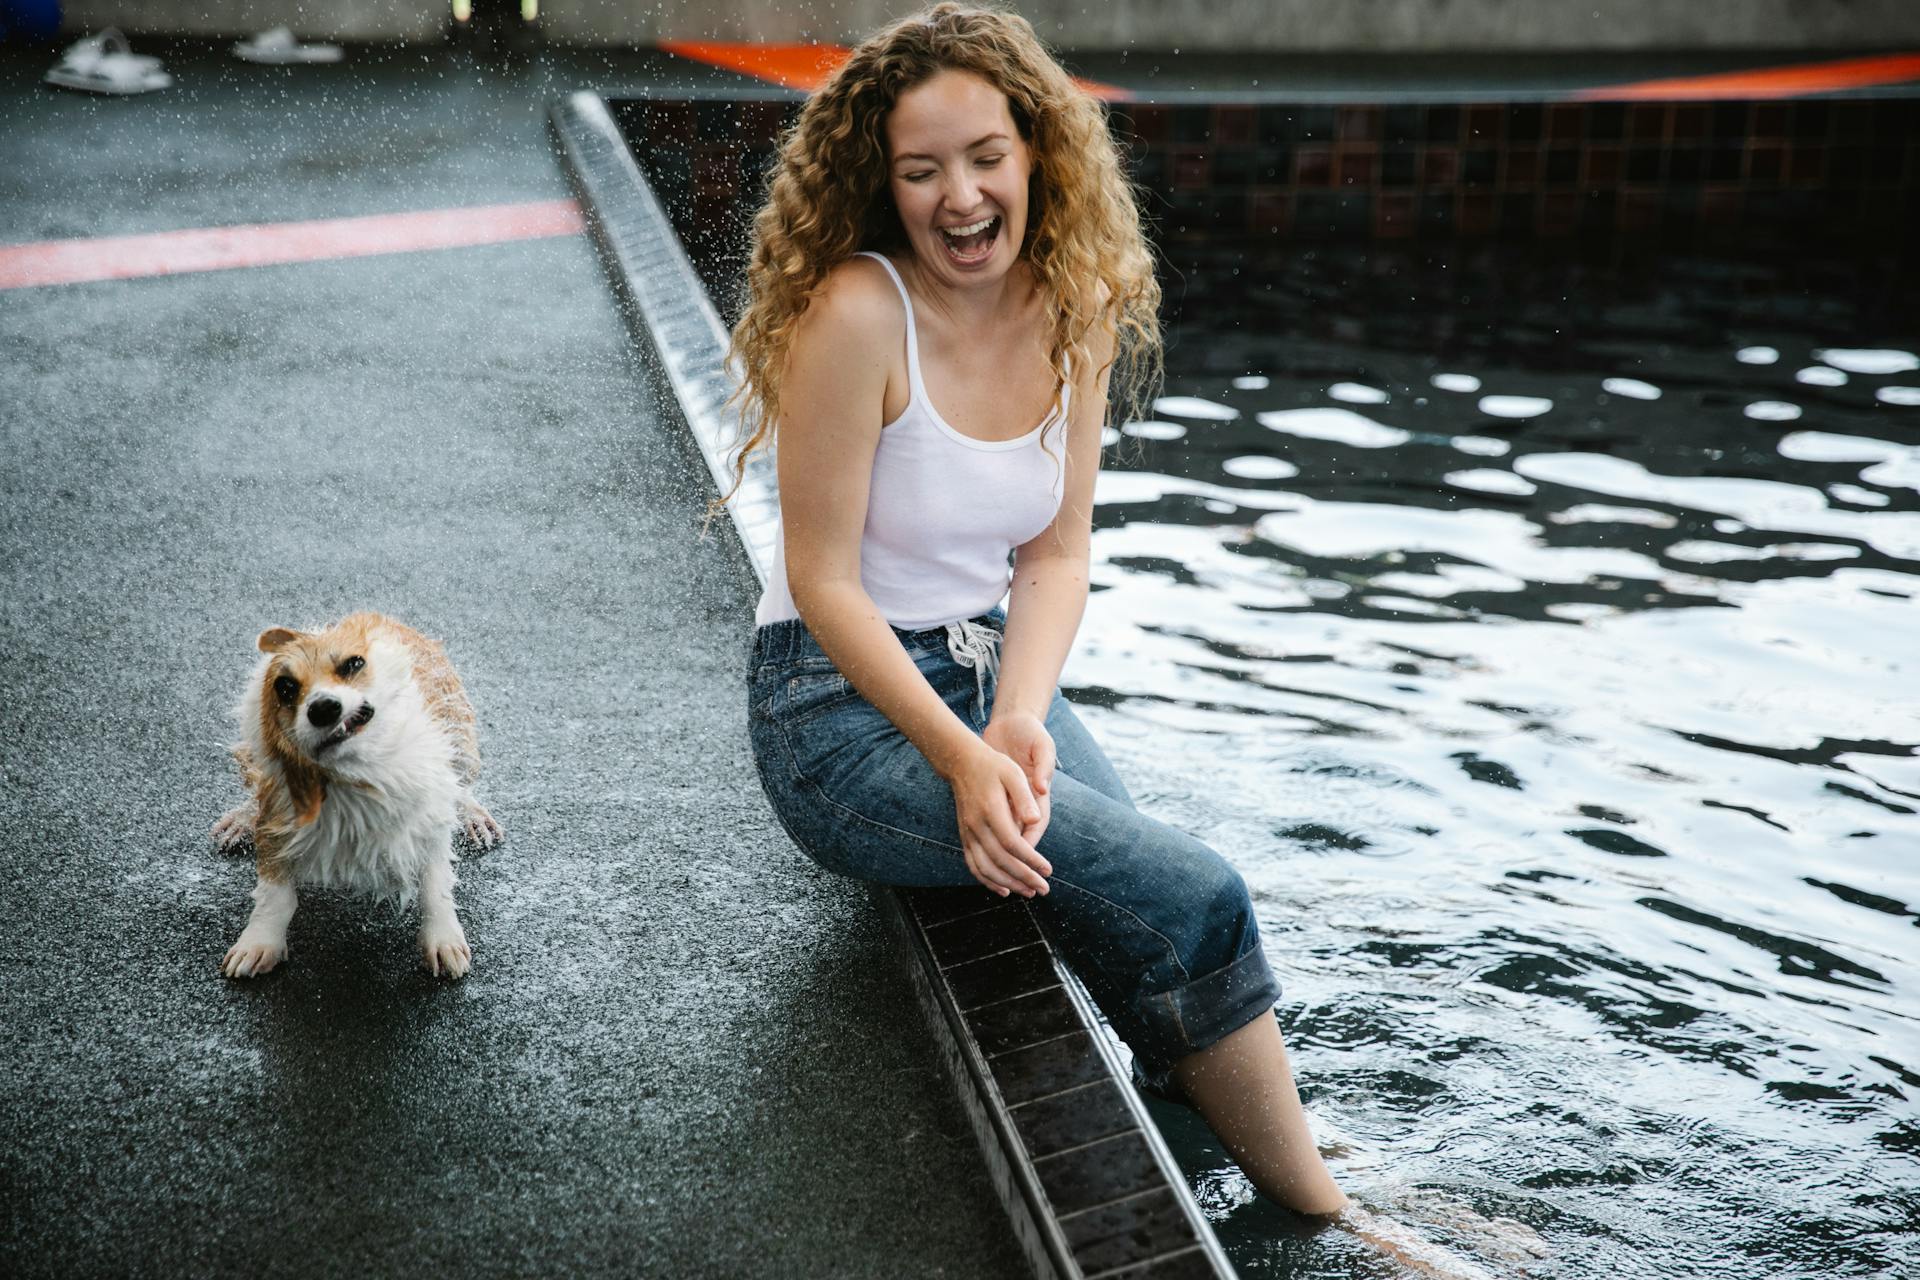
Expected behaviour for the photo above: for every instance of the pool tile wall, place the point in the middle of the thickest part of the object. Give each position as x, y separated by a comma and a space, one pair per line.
1686, 171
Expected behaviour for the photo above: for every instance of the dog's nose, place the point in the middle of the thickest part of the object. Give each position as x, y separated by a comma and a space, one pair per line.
323, 712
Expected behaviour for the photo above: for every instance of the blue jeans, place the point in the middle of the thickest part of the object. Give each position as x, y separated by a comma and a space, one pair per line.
1157, 925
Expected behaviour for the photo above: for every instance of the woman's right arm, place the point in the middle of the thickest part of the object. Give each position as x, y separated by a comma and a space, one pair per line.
832, 406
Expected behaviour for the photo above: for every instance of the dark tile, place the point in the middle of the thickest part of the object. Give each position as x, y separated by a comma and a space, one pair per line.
1194, 1264
1397, 168
1563, 166
668, 120
1355, 166
1811, 121
1566, 123
1192, 170
1605, 166
1766, 164
934, 906
1150, 169
1443, 125
1001, 977
1271, 213
1192, 124
1483, 124
1477, 167
1723, 162
1560, 213
974, 937
1475, 215
1730, 120
1312, 167
1523, 167
1772, 119
1517, 215
1089, 1176
1886, 164
1013, 1024
1272, 165
1607, 122
1233, 126
1150, 123
1686, 164
1647, 122
1276, 126
1847, 166
716, 121
1440, 166
1646, 164
1394, 214
1047, 1067
1402, 124
1691, 122
1436, 214
1315, 214
1315, 124
1525, 121
1357, 124
1720, 206
1808, 165
1232, 167
1135, 1230
1073, 1119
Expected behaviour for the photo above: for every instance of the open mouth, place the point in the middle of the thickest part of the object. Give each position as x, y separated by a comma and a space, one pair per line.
973, 243
347, 728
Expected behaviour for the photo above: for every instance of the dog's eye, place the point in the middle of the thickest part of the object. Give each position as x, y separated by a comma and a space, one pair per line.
351, 667
287, 689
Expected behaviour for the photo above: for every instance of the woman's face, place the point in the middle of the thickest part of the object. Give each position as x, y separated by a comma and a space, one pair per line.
958, 165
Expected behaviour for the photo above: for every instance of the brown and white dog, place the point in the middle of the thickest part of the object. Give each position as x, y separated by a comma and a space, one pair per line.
358, 745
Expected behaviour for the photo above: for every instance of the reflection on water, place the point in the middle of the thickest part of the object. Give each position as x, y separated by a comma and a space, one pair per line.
1541, 645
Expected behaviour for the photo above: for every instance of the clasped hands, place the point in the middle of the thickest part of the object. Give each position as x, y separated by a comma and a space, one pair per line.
1002, 798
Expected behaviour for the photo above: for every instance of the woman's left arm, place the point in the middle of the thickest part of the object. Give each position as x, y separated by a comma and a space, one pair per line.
1049, 596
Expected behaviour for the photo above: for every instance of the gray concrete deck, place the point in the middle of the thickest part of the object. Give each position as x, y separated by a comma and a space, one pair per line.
683, 1050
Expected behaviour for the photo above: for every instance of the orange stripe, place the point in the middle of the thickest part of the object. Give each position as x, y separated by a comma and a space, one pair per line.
268, 244
1770, 82
808, 66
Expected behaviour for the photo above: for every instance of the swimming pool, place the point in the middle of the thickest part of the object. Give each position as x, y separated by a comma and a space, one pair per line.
1537, 637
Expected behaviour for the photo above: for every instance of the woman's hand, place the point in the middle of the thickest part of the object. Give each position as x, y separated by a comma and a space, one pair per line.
1023, 738
995, 806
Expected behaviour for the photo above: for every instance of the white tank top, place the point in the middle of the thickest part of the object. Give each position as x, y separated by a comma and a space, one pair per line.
944, 511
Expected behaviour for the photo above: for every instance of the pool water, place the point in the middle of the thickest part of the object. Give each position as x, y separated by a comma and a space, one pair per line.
1539, 639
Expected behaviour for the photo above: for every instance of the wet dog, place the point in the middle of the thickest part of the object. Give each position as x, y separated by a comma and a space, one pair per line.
358, 746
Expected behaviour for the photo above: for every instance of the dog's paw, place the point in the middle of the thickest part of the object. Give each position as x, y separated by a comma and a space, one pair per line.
478, 826
444, 950
234, 831
251, 957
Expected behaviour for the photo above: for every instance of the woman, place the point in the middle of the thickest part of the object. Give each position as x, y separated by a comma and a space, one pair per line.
950, 255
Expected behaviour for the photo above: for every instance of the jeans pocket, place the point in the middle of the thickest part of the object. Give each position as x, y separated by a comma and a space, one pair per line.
808, 694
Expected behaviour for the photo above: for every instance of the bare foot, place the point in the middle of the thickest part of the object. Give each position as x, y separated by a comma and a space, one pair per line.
1396, 1240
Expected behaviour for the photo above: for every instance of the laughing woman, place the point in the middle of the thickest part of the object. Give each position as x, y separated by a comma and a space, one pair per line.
948, 283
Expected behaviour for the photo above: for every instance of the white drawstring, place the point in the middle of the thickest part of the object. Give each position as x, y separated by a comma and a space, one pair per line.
973, 645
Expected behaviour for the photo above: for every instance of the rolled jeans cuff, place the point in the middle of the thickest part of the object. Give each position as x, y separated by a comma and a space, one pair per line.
1206, 1010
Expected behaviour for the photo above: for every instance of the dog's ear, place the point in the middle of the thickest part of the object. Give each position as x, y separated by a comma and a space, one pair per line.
274, 639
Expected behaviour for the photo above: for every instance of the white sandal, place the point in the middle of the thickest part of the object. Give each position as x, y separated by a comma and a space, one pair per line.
105, 64
278, 47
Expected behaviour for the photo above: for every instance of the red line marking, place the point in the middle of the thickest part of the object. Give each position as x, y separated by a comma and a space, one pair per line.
808, 66
270, 244
1769, 82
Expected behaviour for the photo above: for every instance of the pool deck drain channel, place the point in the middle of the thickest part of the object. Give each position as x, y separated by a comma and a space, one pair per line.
1085, 1177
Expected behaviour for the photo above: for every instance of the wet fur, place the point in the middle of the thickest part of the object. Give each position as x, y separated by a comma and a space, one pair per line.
373, 809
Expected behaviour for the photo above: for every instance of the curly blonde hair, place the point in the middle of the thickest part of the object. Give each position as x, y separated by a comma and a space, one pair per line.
828, 198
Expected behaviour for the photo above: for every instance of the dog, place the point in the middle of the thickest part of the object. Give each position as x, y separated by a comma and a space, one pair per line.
359, 749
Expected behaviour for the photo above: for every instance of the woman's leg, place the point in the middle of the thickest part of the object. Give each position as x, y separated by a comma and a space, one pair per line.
1242, 1084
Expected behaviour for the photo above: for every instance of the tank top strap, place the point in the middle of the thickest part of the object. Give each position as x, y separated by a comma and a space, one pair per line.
916, 388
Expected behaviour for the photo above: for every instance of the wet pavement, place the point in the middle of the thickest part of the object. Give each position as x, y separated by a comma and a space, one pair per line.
683, 1050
